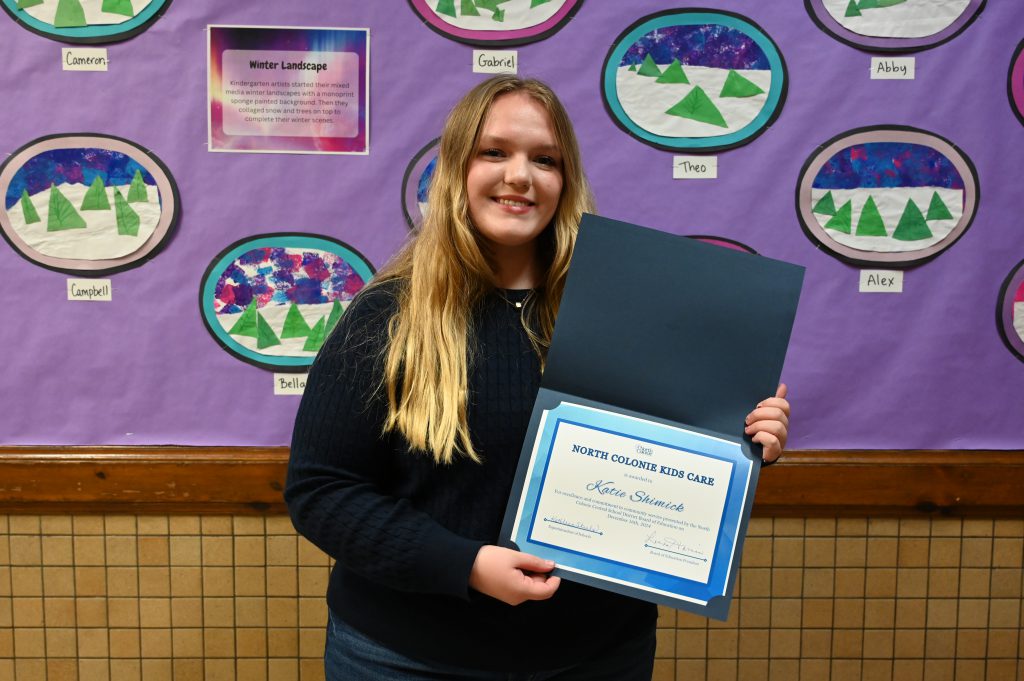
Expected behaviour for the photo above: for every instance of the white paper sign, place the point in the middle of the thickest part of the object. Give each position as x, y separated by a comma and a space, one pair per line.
881, 281
495, 61
892, 68
694, 167
289, 384
84, 58
98, 290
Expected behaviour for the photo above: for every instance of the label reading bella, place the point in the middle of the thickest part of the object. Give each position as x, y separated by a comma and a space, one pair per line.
881, 281
289, 384
84, 58
694, 167
89, 289
495, 61
892, 68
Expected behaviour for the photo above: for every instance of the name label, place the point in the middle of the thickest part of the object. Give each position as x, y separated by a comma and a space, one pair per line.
495, 61
84, 58
881, 281
892, 68
89, 290
289, 384
694, 167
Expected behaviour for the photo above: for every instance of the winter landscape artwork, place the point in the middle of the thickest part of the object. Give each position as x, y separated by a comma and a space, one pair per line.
272, 299
894, 25
894, 195
1010, 310
86, 21
87, 204
495, 22
694, 80
416, 183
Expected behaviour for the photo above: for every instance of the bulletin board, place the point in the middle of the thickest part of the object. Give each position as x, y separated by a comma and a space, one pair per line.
932, 367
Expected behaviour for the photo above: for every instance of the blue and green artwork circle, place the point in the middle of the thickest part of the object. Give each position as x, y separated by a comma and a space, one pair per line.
694, 80
86, 21
272, 300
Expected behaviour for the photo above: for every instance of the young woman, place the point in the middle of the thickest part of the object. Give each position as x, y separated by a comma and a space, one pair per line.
414, 413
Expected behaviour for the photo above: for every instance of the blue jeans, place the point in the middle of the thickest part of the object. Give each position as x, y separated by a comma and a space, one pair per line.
351, 656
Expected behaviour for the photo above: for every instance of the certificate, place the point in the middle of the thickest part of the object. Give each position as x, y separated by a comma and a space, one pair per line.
635, 474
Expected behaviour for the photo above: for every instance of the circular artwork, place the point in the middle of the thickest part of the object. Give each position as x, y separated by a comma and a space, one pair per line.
893, 25
416, 183
724, 243
272, 299
86, 203
86, 21
1015, 85
694, 80
889, 195
496, 22
1010, 311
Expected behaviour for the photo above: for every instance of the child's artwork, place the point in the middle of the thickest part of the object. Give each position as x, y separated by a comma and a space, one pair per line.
724, 243
694, 80
894, 25
496, 22
86, 204
86, 21
1010, 312
272, 299
416, 183
887, 196
1015, 84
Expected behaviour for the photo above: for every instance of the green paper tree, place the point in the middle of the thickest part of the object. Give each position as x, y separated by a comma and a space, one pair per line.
446, 7
334, 317
649, 68
738, 86
123, 7
62, 214
27, 209
538, 3
632, 67
468, 8
699, 107
265, 336
25, 4
890, 3
912, 226
842, 220
127, 218
867, 4
673, 74
937, 210
316, 337
137, 191
69, 14
851, 9
499, 15
826, 205
246, 324
295, 325
870, 222
96, 197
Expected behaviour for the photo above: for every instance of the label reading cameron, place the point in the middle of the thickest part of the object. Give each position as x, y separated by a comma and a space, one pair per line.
632, 501
291, 93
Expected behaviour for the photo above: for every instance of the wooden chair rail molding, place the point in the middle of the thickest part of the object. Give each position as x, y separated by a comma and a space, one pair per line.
249, 480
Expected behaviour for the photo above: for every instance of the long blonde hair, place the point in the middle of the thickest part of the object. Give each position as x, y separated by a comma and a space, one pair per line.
445, 270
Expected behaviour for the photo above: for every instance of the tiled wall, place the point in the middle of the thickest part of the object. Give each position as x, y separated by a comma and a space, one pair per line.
185, 598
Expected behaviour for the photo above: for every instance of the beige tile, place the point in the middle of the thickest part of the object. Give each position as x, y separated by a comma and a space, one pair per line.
970, 670
788, 551
752, 670
154, 581
187, 642
186, 581
911, 582
785, 612
122, 550
878, 643
1006, 582
908, 670
156, 670
6, 613
310, 555
883, 527
1002, 643
757, 582
290, 612
126, 670
975, 582
89, 550
282, 581
999, 670
721, 642
123, 581
188, 670
183, 524
124, 643
784, 643
282, 550
155, 612
250, 581
311, 642
1008, 527
757, 552
65, 669
944, 552
943, 583
820, 552
57, 551
787, 582
815, 643
880, 582
947, 527
819, 582
6, 669
216, 524
814, 668
846, 670
753, 643
877, 670
28, 612
851, 552
761, 527
59, 612
23, 524
882, 552
26, 581
251, 670
251, 641
250, 550
666, 644
1007, 552
123, 612
977, 527
282, 642
94, 670
155, 643
820, 527
908, 643
218, 581
25, 550
849, 612
219, 670
279, 524
93, 643
33, 670
55, 524
780, 670
851, 527
91, 612
913, 552
249, 525
880, 613
755, 613
692, 643
61, 642
1004, 612
972, 613
941, 613
219, 642
910, 613
154, 551
185, 550
691, 669
90, 581
939, 643
976, 552
218, 612
153, 525
251, 611
217, 550
721, 670
87, 524
817, 612
120, 524
847, 643
850, 582
313, 670
971, 643
283, 670
186, 612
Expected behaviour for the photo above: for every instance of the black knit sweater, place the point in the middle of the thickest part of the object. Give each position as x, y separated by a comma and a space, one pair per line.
405, 531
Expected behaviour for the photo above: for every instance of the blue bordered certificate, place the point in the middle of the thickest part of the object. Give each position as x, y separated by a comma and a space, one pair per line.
633, 505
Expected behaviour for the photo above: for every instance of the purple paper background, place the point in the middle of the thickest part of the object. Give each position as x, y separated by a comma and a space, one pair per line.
923, 369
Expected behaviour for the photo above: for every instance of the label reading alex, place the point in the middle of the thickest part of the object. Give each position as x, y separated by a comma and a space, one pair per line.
881, 281
89, 290
495, 61
289, 384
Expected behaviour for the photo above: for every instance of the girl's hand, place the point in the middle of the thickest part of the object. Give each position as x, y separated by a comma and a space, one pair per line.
768, 424
512, 576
